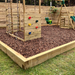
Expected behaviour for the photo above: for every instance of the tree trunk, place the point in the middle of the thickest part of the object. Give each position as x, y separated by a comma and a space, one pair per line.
69, 2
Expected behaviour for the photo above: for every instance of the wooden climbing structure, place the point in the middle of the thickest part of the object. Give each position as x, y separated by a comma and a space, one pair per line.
65, 17
31, 22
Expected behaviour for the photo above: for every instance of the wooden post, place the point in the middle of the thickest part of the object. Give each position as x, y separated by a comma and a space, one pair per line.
24, 17
69, 17
59, 16
11, 16
39, 6
5, 1
19, 18
6, 16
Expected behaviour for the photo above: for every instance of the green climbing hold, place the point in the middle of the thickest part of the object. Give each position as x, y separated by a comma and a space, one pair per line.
63, 2
73, 18
46, 18
48, 21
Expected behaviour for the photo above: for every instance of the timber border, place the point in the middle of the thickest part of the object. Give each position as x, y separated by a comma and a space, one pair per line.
36, 59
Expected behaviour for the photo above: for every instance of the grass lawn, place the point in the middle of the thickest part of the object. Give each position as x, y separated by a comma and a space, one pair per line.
63, 64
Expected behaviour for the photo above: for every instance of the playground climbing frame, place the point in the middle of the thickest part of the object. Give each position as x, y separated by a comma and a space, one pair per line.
31, 22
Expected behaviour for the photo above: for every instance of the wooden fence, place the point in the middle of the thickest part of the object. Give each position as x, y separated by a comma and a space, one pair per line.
45, 12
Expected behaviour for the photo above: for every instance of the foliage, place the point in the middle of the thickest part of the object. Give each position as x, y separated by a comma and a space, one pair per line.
54, 10
2, 0
44, 2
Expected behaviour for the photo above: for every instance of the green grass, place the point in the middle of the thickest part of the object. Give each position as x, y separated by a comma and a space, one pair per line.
63, 64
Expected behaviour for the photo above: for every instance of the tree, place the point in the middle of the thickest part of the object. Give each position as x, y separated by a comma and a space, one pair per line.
69, 2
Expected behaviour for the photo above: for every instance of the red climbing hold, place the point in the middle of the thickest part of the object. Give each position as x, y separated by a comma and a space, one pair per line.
36, 27
29, 17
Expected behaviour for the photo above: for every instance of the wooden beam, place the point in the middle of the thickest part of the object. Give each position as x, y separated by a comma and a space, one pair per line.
24, 17
15, 56
41, 57
6, 17
59, 15
36, 59
5, 1
19, 18
39, 6
15, 36
49, 25
11, 15
69, 17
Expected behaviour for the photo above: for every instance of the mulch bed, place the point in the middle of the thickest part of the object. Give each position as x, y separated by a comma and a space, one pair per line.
51, 37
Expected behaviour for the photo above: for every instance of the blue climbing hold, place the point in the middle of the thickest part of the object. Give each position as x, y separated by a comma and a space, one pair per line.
29, 33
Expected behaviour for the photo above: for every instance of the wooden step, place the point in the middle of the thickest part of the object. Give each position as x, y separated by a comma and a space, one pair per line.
66, 27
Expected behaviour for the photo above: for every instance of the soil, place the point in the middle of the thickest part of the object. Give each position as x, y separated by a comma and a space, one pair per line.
52, 36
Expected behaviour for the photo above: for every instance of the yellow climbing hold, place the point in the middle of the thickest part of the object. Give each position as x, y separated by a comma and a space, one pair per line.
29, 24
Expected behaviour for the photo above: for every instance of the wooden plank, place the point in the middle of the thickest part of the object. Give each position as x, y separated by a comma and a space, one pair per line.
2, 26
32, 37
11, 15
49, 25
33, 15
33, 30
19, 17
39, 6
33, 21
24, 17
15, 22
41, 57
33, 33
65, 27
15, 56
33, 18
64, 14
69, 17
16, 37
32, 27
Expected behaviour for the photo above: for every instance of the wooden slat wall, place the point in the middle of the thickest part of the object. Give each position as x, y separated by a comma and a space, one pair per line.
35, 33
2, 15
45, 11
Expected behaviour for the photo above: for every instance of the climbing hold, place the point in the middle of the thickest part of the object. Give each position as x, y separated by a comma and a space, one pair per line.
63, 2
36, 21
29, 24
29, 33
50, 21
73, 18
29, 17
36, 27
46, 18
